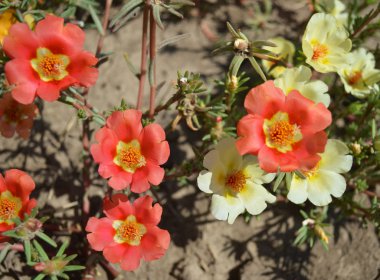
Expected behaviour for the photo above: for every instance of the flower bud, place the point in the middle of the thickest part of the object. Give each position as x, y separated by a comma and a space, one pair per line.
356, 148
33, 225
241, 45
232, 84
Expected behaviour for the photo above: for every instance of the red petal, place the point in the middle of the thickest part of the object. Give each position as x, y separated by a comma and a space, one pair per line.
155, 173
115, 252
21, 42
19, 183
309, 116
127, 125
48, 91
252, 138
120, 181
131, 259
155, 243
153, 144
82, 69
145, 213
270, 160
140, 182
102, 233
264, 100
118, 207
104, 152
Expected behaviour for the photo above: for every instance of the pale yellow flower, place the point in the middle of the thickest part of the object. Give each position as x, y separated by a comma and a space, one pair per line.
324, 179
325, 43
298, 78
236, 183
335, 8
359, 74
285, 51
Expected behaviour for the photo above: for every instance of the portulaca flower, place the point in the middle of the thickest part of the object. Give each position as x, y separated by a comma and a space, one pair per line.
298, 78
236, 183
359, 74
335, 8
325, 178
325, 43
285, 51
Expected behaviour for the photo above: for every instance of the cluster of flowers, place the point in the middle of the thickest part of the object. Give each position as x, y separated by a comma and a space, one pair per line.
43, 62
284, 128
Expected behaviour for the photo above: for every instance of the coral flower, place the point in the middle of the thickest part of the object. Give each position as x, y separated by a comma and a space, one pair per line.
15, 189
16, 117
236, 183
48, 60
130, 154
324, 179
285, 131
129, 232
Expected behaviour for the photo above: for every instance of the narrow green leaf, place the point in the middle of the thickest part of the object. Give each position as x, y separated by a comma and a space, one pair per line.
288, 180
53, 277
280, 177
300, 174
64, 276
125, 10
70, 258
74, 267
96, 19
46, 238
174, 12
232, 30
374, 129
260, 43
40, 250
28, 251
39, 276
11, 233
173, 40
156, 15
235, 65
131, 67
150, 72
4, 252
257, 68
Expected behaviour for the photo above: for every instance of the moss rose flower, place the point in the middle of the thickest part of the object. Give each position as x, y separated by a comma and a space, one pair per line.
130, 154
15, 189
47, 60
129, 231
285, 131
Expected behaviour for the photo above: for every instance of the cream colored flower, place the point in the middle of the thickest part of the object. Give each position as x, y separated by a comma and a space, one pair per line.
236, 183
359, 74
299, 79
324, 179
285, 51
335, 8
325, 43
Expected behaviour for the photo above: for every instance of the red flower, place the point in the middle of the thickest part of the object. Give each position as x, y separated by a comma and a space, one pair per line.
15, 189
129, 232
129, 153
16, 117
48, 60
285, 132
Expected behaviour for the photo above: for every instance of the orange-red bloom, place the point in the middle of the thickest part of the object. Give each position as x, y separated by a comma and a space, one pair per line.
285, 132
129, 232
130, 154
16, 117
15, 189
48, 60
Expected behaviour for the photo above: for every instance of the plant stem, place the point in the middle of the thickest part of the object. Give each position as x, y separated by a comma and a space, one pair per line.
143, 56
152, 55
364, 24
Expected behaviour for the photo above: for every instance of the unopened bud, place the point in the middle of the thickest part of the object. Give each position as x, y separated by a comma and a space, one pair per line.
241, 45
40, 266
321, 234
356, 148
233, 83
33, 225
308, 222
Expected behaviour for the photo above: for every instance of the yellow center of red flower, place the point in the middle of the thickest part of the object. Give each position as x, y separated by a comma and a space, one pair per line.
320, 51
50, 66
280, 134
128, 156
236, 181
354, 78
128, 231
10, 207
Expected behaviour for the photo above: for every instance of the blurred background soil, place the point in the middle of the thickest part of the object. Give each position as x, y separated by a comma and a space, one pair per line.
201, 247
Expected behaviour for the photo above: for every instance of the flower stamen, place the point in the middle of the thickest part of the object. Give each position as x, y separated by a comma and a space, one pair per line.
50, 66
10, 206
129, 231
236, 181
128, 156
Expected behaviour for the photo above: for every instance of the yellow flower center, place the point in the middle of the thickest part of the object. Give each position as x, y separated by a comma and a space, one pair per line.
320, 51
50, 66
128, 231
128, 156
236, 181
10, 207
354, 78
280, 133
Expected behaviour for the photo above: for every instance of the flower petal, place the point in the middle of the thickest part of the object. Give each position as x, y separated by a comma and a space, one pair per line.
298, 190
204, 181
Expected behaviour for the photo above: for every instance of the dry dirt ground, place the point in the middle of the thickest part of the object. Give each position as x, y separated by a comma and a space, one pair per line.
201, 248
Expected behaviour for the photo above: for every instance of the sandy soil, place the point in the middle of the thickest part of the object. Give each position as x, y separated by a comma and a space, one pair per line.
201, 248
